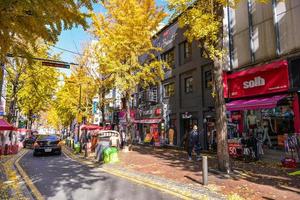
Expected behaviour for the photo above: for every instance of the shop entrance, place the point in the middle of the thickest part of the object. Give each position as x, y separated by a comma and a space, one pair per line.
187, 126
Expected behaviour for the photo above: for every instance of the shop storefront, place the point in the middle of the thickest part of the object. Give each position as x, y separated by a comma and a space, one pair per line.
150, 125
188, 120
261, 107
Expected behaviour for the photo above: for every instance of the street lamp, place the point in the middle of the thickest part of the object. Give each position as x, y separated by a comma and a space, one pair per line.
79, 112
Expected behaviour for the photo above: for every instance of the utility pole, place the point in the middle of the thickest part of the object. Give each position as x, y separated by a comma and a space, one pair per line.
79, 115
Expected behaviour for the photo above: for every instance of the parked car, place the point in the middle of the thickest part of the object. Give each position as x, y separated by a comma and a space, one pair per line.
47, 144
29, 141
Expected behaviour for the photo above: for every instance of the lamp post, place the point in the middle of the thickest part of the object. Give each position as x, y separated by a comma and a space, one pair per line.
79, 113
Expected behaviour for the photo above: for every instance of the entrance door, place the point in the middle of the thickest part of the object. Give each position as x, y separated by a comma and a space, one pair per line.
187, 126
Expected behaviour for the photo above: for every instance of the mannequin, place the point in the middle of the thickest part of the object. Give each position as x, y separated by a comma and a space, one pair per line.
171, 135
259, 138
252, 121
267, 125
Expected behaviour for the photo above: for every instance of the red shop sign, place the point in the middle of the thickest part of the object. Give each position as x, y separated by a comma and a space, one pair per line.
157, 111
260, 80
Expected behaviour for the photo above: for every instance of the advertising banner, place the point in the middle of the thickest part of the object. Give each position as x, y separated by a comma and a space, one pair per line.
267, 79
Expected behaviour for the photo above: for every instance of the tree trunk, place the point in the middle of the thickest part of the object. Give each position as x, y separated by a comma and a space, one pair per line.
129, 123
12, 105
102, 105
221, 119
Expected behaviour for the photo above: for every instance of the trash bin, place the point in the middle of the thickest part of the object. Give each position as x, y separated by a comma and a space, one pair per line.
77, 147
113, 157
110, 155
103, 143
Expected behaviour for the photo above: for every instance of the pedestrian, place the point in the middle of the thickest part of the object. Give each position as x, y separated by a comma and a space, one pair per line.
193, 143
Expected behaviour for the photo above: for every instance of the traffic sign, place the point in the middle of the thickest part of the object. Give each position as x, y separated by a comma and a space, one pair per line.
56, 64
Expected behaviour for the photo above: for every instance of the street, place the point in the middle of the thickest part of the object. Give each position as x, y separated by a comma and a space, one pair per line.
60, 177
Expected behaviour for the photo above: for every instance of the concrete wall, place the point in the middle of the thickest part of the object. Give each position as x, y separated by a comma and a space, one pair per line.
263, 17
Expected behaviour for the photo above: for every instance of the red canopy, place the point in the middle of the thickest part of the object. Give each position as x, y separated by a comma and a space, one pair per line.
5, 126
23, 130
253, 104
90, 127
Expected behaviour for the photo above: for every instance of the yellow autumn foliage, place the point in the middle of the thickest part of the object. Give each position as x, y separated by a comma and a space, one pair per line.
125, 53
23, 22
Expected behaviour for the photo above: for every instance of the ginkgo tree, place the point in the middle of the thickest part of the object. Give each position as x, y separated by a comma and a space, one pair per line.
30, 86
124, 34
23, 22
74, 97
203, 21
38, 89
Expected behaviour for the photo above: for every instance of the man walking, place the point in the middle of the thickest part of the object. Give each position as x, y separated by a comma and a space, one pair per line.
192, 143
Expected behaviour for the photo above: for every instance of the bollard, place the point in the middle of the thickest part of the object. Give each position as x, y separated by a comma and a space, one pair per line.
204, 170
85, 151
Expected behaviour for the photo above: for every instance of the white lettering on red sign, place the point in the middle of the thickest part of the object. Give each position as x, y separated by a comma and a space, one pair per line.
258, 81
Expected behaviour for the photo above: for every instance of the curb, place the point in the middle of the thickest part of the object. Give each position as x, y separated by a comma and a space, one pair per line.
34, 191
19, 188
172, 190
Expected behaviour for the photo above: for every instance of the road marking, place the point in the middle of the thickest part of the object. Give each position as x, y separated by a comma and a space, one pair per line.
35, 192
70, 155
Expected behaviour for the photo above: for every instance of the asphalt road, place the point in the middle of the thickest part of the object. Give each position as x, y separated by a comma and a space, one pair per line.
60, 177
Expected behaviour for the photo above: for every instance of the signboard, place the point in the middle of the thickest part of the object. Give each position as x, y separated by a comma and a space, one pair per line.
2, 112
267, 79
235, 149
165, 39
56, 64
186, 115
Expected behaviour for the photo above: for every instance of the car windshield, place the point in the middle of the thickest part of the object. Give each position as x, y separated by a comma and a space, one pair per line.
47, 137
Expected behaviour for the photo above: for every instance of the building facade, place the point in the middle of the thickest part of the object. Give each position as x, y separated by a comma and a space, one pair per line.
263, 69
184, 96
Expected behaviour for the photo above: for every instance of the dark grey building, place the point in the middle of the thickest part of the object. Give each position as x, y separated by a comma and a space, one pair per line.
185, 94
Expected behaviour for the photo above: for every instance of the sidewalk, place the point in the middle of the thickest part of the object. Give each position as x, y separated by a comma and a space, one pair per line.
11, 184
249, 180
257, 180
181, 190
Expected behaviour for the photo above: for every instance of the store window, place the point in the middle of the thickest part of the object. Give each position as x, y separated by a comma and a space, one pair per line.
271, 127
188, 84
208, 79
185, 49
169, 57
169, 90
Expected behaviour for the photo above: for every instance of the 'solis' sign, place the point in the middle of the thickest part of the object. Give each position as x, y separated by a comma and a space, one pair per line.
258, 81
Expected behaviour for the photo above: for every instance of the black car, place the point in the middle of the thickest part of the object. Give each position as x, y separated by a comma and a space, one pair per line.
29, 141
47, 144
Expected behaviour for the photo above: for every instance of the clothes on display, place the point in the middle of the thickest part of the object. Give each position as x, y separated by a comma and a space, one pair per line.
251, 120
171, 136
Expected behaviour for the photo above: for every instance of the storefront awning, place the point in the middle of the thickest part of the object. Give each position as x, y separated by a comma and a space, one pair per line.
5, 126
254, 104
148, 121
23, 130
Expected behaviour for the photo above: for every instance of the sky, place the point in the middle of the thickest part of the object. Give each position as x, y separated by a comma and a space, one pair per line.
74, 39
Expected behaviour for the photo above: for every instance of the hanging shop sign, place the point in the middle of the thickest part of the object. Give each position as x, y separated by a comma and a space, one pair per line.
151, 112
158, 111
266, 79
186, 115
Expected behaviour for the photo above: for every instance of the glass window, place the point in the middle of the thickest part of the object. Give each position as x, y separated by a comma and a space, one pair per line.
208, 79
169, 57
169, 90
185, 50
188, 83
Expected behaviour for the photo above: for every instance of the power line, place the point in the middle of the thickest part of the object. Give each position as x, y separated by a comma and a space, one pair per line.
73, 52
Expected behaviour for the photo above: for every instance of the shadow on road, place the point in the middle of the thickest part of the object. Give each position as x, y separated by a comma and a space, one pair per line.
59, 177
